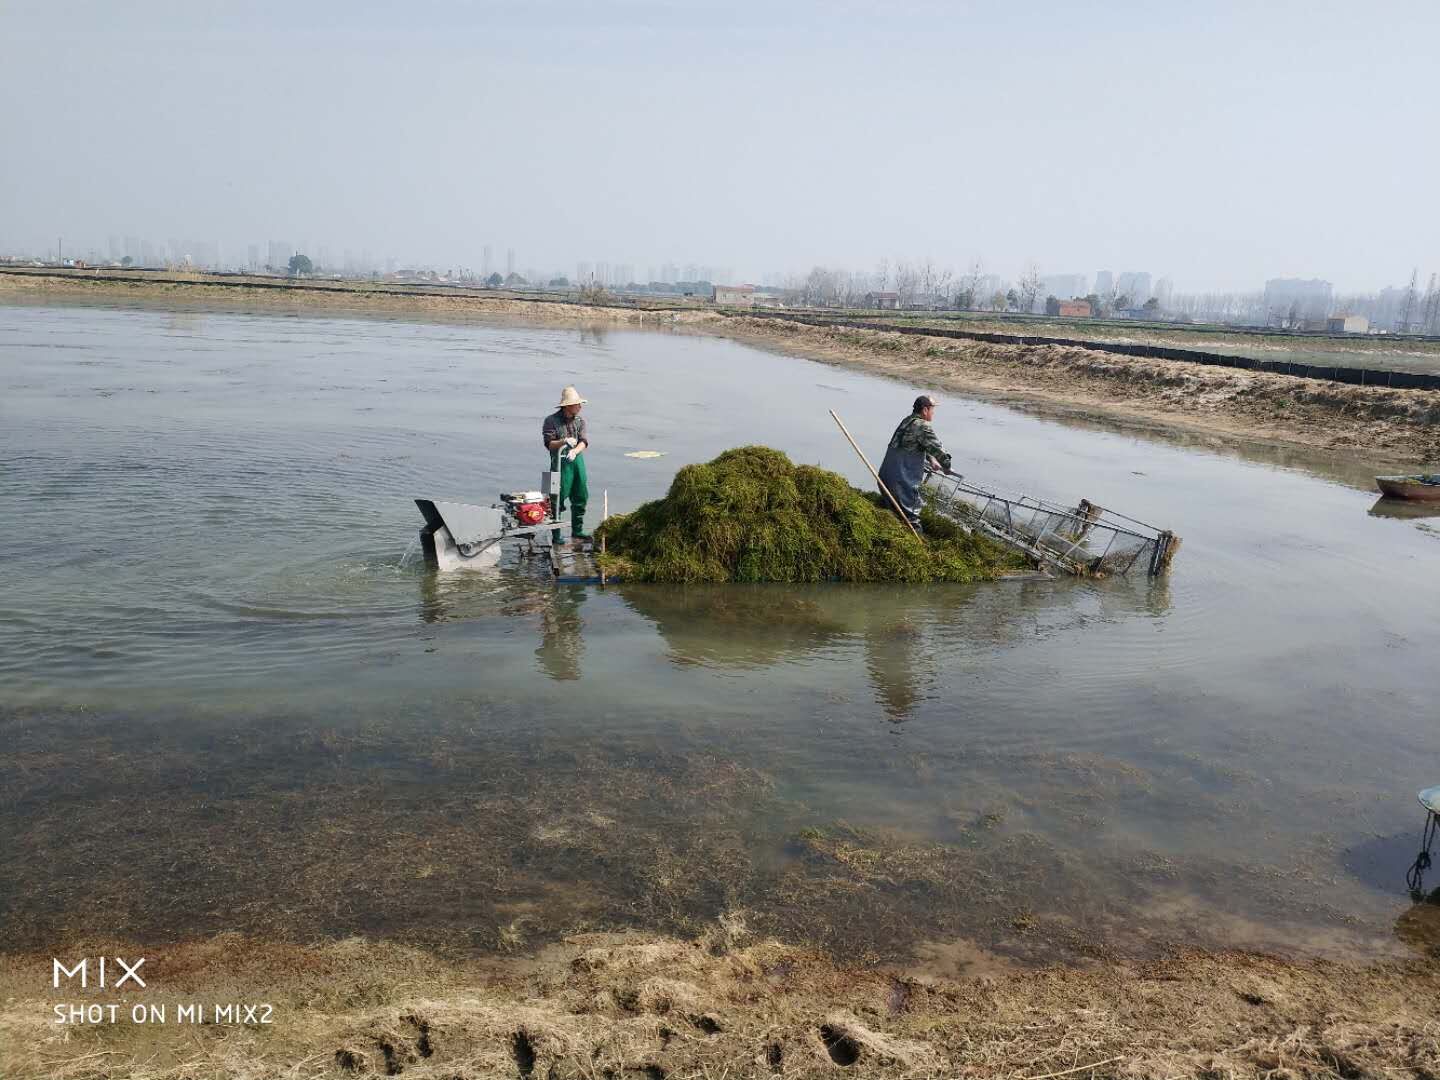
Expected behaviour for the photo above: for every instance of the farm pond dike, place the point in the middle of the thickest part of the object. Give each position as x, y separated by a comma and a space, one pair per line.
227, 707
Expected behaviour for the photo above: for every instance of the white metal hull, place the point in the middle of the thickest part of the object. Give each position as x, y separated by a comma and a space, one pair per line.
463, 536
447, 555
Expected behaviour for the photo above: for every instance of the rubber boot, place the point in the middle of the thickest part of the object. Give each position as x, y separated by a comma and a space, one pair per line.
577, 525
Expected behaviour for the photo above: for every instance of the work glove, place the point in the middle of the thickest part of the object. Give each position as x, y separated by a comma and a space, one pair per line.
571, 442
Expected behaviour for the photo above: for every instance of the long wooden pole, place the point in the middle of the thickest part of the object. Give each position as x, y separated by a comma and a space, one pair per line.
893, 501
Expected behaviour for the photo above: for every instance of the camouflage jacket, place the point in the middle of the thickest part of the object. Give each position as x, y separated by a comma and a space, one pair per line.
916, 436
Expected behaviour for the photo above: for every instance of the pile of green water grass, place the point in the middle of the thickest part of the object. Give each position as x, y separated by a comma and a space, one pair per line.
752, 515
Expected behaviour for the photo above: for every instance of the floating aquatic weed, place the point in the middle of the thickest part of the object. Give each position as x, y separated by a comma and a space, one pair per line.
752, 515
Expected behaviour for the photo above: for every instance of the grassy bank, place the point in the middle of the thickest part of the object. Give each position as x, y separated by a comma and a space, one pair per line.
724, 1004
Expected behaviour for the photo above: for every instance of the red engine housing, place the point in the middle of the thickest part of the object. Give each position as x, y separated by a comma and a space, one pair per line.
532, 513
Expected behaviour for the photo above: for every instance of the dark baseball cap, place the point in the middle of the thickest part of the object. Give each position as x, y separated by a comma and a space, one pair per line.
924, 401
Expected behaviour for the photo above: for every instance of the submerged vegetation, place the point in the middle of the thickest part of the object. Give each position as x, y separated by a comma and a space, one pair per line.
752, 515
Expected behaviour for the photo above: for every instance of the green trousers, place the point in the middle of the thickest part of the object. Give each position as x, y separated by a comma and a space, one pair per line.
574, 491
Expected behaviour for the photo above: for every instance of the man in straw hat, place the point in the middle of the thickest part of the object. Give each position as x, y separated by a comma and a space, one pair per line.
911, 447
565, 429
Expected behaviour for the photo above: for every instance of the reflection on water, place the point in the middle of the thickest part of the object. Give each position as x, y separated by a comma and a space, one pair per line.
1404, 509
562, 641
594, 334
740, 627
224, 622
907, 634
520, 589
901, 669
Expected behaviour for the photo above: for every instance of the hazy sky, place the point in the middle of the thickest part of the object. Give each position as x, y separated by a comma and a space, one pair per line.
1218, 143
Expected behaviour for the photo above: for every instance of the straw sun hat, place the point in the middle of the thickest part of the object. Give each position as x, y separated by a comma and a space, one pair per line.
570, 396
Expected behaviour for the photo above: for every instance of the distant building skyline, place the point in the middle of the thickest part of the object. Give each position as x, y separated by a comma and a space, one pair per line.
1390, 308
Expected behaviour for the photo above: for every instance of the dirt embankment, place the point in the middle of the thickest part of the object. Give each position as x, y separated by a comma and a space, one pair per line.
721, 1006
1400, 425
194, 290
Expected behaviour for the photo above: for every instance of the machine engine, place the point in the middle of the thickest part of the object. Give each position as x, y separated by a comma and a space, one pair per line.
527, 507
463, 536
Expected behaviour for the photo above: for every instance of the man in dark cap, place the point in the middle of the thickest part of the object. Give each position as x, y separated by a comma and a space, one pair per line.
913, 444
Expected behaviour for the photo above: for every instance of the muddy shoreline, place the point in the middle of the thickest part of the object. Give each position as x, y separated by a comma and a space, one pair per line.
1384, 427
724, 1003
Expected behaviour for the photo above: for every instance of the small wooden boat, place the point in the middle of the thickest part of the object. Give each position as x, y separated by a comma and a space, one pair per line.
1425, 487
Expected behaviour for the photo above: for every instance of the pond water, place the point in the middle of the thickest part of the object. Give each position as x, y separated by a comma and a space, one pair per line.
226, 703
